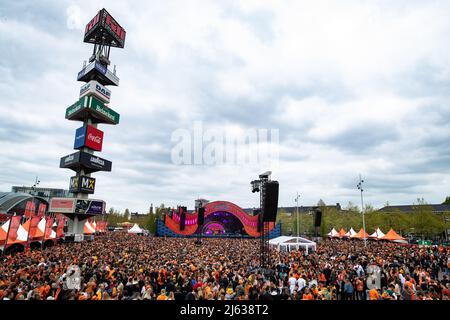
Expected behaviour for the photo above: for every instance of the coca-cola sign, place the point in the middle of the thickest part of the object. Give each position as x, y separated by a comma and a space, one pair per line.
94, 138
90, 137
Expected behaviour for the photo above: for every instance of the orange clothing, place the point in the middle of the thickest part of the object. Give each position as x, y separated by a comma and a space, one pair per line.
322, 278
308, 296
162, 297
374, 295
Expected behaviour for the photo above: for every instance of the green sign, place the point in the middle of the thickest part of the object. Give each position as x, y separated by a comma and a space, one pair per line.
76, 107
424, 242
97, 109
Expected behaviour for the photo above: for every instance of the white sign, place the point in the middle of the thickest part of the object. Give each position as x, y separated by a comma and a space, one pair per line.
93, 88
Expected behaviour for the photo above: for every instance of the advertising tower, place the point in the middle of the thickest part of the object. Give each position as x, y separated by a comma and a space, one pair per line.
91, 109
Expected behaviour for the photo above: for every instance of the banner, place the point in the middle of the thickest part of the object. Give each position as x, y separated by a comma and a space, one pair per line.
89, 162
90, 137
29, 210
60, 227
42, 209
93, 88
34, 234
4, 232
48, 228
82, 184
14, 225
63, 205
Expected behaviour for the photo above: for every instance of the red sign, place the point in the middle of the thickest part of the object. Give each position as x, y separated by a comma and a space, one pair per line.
94, 138
66, 205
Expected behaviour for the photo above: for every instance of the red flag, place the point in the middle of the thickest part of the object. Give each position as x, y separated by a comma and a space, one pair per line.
4, 232
32, 208
48, 228
60, 227
27, 212
33, 234
42, 208
14, 225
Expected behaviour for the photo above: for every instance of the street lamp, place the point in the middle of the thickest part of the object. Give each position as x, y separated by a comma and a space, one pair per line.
359, 185
298, 224
36, 183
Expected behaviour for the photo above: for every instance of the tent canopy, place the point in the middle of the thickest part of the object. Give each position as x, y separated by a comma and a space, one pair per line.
135, 229
333, 233
392, 236
378, 234
361, 234
342, 232
350, 234
288, 243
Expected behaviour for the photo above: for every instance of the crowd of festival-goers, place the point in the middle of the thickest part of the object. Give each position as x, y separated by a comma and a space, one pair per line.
121, 266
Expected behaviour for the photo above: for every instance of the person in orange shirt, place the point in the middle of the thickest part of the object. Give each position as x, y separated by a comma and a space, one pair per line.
162, 295
373, 294
322, 278
307, 295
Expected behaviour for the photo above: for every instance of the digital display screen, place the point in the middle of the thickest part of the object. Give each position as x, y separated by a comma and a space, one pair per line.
92, 23
104, 27
115, 27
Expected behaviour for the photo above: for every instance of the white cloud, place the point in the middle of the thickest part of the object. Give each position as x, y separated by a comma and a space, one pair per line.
74, 18
352, 86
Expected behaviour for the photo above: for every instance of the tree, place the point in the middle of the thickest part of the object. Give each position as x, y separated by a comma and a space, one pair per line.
127, 214
151, 223
424, 222
447, 200
352, 207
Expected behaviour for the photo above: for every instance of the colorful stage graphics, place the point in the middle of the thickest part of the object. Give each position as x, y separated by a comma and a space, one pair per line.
221, 217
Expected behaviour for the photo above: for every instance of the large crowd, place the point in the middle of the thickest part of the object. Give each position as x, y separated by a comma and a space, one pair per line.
121, 266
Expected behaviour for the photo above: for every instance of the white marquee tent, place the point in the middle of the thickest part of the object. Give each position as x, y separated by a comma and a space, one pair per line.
286, 243
378, 234
333, 233
350, 234
135, 229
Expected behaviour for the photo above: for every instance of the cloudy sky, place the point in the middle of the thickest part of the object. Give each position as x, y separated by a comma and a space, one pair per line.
351, 86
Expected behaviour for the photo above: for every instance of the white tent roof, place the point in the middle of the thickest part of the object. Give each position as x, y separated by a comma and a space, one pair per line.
350, 233
135, 229
285, 242
333, 232
377, 234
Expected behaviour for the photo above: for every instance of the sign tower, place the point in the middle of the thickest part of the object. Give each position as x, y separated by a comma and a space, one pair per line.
92, 108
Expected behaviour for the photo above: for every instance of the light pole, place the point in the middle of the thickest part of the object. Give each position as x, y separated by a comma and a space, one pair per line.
298, 223
36, 183
362, 207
